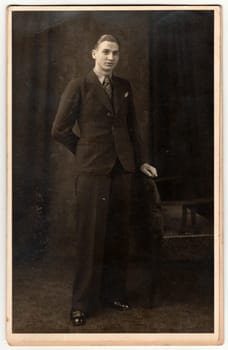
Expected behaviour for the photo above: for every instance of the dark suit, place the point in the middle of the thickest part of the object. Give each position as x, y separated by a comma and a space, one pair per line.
105, 153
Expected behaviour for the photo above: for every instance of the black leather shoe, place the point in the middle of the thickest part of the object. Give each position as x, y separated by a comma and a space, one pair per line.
78, 317
119, 305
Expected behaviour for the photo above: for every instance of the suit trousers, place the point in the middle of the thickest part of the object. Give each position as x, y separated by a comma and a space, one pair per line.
102, 228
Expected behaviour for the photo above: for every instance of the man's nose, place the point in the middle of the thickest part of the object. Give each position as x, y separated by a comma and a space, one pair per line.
110, 56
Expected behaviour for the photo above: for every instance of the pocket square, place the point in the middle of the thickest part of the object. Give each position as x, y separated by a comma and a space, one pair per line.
126, 94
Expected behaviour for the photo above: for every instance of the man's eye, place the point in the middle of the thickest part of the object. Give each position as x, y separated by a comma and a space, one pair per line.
106, 52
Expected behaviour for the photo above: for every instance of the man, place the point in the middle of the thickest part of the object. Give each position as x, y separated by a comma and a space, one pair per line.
105, 151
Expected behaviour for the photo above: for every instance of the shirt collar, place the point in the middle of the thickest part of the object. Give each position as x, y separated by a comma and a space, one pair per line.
101, 76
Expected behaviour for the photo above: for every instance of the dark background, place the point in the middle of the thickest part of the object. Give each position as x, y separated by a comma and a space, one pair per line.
167, 56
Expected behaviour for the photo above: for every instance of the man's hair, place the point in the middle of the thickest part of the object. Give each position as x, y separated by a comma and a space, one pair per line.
106, 37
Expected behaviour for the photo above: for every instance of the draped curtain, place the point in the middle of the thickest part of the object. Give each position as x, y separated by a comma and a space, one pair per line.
181, 66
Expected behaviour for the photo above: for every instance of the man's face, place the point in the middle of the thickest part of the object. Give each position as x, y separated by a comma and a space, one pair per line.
106, 56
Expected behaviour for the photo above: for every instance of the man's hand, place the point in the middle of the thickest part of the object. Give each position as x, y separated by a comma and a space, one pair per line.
148, 170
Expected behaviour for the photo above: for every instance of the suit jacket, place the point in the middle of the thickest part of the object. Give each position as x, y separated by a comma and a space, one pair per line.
107, 128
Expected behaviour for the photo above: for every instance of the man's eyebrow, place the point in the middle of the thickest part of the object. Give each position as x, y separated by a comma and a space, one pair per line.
108, 50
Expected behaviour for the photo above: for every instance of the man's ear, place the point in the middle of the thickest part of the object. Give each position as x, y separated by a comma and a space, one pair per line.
94, 54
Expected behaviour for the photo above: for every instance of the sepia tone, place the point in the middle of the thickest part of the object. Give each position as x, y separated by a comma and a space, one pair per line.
168, 56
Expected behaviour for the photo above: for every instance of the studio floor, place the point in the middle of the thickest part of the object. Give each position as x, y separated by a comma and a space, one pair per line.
42, 297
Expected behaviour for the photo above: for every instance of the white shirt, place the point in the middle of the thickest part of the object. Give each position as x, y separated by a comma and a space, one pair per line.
101, 77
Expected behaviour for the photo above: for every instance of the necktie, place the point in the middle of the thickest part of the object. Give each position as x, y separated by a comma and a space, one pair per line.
107, 86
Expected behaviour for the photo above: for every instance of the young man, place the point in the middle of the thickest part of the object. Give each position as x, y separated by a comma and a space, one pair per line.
105, 154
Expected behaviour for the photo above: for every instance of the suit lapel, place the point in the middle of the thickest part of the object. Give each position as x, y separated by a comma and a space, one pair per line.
118, 92
99, 91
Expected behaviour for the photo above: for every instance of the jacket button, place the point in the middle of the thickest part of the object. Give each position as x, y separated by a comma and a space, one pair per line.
109, 114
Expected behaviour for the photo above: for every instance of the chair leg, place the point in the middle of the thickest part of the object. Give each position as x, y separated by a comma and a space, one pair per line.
193, 218
183, 219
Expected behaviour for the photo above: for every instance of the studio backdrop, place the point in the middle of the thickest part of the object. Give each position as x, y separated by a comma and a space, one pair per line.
168, 58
